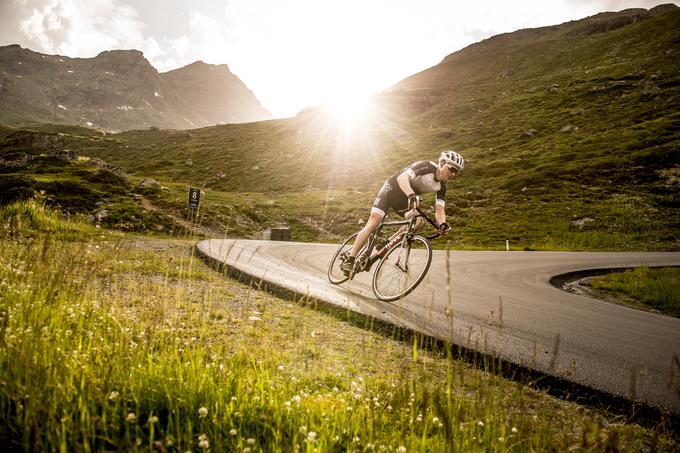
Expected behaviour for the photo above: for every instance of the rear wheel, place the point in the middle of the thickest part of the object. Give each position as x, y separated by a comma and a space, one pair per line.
335, 275
401, 269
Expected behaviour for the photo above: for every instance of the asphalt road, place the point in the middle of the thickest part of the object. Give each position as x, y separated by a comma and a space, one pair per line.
502, 303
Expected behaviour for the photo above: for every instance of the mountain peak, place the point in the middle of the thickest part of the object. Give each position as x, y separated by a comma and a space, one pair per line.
120, 89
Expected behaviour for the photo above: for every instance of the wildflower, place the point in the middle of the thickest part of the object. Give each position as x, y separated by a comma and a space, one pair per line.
250, 441
113, 396
131, 417
203, 442
303, 430
311, 436
480, 423
203, 412
296, 399
514, 430
500, 439
169, 441
419, 418
401, 449
232, 432
153, 419
280, 367
356, 439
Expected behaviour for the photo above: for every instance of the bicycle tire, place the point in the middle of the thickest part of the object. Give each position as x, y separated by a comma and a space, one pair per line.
386, 281
338, 276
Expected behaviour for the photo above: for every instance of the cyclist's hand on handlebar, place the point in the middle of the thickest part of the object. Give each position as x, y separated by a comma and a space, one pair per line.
444, 228
413, 201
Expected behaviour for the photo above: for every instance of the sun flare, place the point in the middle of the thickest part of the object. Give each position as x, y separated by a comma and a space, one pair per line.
350, 109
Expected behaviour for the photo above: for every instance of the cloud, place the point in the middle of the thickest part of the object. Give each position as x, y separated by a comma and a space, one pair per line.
82, 29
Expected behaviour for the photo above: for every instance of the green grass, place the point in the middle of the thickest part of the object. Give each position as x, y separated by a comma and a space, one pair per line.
129, 343
651, 289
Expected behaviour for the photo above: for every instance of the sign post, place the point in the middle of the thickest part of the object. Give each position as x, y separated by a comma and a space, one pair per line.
194, 197
194, 201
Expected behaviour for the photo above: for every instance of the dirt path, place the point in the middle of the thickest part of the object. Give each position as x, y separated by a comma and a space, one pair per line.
196, 229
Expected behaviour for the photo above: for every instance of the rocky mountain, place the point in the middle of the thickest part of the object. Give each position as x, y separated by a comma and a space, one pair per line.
120, 90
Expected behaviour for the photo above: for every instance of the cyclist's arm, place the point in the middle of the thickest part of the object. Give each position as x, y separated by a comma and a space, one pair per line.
404, 181
439, 214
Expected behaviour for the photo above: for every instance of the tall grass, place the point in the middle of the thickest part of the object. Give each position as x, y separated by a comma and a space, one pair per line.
110, 344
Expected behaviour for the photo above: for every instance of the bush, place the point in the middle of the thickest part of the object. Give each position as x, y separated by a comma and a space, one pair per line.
15, 188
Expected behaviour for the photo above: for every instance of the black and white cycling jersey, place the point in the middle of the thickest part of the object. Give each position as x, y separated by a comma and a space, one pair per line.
422, 178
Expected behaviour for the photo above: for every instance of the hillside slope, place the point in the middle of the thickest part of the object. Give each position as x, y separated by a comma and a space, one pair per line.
119, 90
570, 133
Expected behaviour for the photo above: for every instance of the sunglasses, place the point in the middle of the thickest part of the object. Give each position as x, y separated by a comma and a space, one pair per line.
453, 170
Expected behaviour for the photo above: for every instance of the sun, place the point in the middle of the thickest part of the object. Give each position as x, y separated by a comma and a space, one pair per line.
350, 109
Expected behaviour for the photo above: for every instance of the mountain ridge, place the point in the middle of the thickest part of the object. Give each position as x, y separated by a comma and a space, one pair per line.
118, 90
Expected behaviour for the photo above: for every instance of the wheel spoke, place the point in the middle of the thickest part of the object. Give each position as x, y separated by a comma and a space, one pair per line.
401, 270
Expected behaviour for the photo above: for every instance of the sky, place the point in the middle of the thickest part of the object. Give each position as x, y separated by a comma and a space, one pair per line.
290, 53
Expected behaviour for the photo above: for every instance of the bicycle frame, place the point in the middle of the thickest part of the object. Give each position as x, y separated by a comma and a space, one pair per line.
367, 258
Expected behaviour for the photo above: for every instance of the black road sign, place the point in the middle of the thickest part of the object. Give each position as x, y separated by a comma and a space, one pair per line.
194, 197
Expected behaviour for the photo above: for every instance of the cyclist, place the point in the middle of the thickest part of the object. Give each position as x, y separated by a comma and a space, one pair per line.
401, 193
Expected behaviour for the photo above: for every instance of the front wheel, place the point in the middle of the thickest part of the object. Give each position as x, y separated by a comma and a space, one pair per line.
335, 275
402, 269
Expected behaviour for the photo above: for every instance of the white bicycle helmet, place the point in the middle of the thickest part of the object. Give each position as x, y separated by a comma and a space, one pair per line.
453, 159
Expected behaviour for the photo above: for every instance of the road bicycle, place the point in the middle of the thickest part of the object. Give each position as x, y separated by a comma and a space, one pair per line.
403, 259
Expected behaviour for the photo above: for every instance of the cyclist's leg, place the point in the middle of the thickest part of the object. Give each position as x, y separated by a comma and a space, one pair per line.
371, 225
380, 207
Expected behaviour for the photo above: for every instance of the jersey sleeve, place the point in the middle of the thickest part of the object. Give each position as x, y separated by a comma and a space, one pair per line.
441, 195
419, 168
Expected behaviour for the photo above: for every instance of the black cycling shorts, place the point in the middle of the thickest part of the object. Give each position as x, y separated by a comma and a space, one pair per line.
390, 198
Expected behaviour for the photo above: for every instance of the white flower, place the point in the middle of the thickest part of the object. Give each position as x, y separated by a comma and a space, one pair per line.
500, 439
280, 367
232, 432
356, 439
203, 412
203, 442
435, 420
303, 430
514, 430
113, 396
153, 419
250, 441
296, 399
131, 417
480, 423
401, 449
311, 436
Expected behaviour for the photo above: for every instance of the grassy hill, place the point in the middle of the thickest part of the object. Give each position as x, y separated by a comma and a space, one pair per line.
570, 133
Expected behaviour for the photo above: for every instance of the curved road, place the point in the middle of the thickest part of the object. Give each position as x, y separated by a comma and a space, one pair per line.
502, 303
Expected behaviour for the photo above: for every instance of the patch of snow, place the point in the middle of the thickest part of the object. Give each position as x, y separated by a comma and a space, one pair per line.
19, 76
109, 73
89, 123
155, 93
19, 62
62, 107
127, 108
69, 71
188, 121
61, 60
